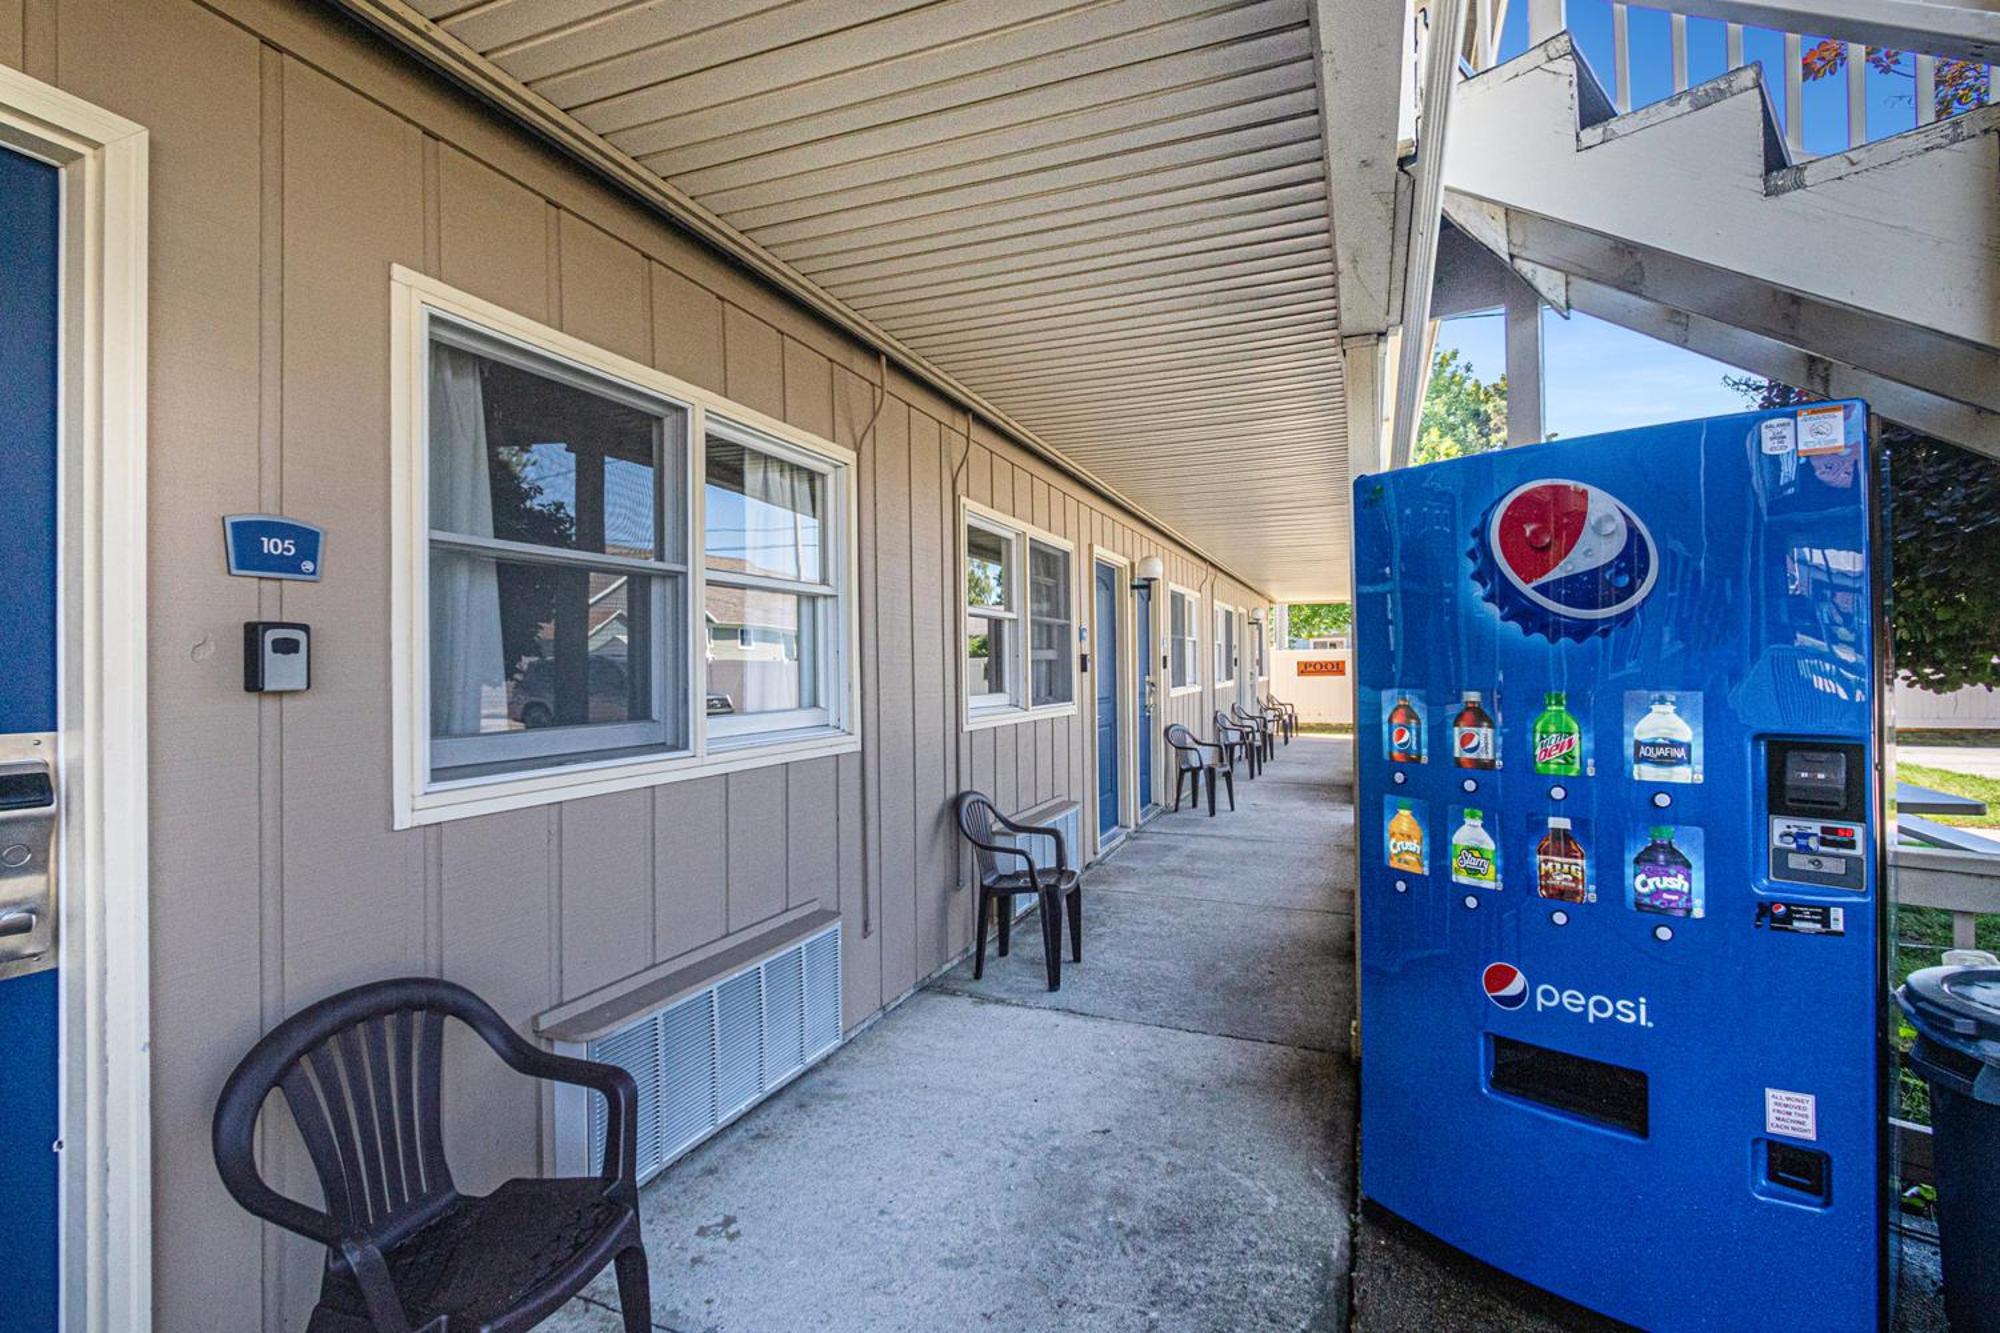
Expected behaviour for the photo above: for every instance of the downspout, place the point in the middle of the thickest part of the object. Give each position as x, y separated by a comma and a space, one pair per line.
867, 434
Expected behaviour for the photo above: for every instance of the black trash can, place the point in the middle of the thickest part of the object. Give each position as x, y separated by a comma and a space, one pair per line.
1956, 1012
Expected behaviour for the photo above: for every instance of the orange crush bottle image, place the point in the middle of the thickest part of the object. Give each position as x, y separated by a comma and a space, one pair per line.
1406, 840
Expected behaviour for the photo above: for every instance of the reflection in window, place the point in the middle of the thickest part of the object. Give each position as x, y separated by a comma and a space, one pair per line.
986, 568
1050, 625
763, 651
1185, 655
763, 513
551, 587
770, 597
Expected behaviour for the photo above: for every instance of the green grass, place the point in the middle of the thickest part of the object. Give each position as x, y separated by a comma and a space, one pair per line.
1326, 728
1957, 738
1958, 784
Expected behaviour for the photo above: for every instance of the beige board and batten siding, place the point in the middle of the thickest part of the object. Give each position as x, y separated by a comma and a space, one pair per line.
295, 160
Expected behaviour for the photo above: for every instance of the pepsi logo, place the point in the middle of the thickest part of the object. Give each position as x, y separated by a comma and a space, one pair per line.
1402, 736
1565, 557
1504, 985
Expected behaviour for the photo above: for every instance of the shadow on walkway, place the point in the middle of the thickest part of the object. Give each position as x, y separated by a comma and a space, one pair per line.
1166, 1143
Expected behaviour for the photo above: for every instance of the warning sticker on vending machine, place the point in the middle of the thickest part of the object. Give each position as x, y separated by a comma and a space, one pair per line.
1822, 430
1793, 1114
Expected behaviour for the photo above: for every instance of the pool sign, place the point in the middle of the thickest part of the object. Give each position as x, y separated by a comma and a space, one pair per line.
266, 546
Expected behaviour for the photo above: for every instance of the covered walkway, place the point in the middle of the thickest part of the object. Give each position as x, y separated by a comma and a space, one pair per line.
1167, 1142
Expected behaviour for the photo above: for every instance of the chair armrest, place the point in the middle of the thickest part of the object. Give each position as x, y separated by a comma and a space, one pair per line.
620, 1092
1044, 830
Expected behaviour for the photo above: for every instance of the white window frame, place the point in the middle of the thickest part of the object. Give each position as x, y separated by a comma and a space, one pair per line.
1193, 622
735, 730
1262, 667
1227, 645
1017, 704
418, 797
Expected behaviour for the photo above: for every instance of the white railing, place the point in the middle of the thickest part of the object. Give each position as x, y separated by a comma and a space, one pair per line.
1966, 82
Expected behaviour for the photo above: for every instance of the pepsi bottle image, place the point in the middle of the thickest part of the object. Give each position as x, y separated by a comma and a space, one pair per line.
1405, 733
1663, 877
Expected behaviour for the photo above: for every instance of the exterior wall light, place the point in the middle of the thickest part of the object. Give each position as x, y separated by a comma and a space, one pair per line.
1151, 571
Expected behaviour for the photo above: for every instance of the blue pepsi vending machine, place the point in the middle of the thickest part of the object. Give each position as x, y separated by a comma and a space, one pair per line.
1620, 776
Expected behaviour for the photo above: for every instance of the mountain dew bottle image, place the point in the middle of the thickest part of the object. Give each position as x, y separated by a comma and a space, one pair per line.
1558, 738
1474, 858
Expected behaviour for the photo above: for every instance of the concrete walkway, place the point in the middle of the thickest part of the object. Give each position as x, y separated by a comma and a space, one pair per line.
1166, 1143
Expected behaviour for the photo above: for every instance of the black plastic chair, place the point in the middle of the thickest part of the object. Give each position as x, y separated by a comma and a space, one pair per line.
1267, 735
1287, 712
405, 1251
1054, 887
1239, 740
1191, 760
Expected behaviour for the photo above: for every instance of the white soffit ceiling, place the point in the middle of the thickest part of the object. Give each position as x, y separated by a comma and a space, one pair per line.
1109, 217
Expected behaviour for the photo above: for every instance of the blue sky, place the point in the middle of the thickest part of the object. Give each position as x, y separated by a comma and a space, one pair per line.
1597, 376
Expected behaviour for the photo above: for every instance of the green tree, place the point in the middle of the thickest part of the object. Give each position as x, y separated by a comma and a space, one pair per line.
1462, 413
1314, 620
1944, 529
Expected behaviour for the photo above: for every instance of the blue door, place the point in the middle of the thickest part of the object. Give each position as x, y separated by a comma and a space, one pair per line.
1142, 639
29, 222
1109, 761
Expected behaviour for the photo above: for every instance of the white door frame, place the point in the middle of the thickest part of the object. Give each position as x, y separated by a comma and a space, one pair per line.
106, 1165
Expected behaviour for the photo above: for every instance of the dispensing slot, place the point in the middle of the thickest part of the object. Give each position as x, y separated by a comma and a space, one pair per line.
1575, 1085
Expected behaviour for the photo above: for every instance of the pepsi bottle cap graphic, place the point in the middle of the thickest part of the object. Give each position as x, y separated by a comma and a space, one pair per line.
1563, 559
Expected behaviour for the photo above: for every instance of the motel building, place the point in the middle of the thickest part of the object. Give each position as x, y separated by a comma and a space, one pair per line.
561, 497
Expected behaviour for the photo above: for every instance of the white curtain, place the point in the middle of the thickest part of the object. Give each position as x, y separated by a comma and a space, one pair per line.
779, 535
468, 662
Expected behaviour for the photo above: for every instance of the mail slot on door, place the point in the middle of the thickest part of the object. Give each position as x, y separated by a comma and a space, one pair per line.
27, 854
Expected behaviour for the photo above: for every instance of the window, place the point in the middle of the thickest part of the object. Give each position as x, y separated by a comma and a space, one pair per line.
557, 562
1185, 648
1225, 646
566, 641
990, 619
768, 602
1051, 626
1020, 620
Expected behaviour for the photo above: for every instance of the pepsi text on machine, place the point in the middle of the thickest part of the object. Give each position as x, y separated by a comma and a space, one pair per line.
1508, 988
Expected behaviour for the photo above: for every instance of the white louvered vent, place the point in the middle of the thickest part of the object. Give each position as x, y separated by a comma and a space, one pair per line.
712, 1055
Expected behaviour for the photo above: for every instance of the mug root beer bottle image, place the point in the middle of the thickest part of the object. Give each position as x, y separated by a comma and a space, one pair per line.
1559, 866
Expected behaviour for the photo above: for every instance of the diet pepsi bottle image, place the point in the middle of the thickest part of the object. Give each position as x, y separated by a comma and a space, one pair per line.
1560, 872
1405, 732
1663, 877
1663, 744
1472, 744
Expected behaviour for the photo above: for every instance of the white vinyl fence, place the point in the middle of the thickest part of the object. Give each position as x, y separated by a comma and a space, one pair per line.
1319, 682
1917, 708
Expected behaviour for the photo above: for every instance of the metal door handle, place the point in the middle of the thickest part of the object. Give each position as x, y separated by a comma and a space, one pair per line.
17, 923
